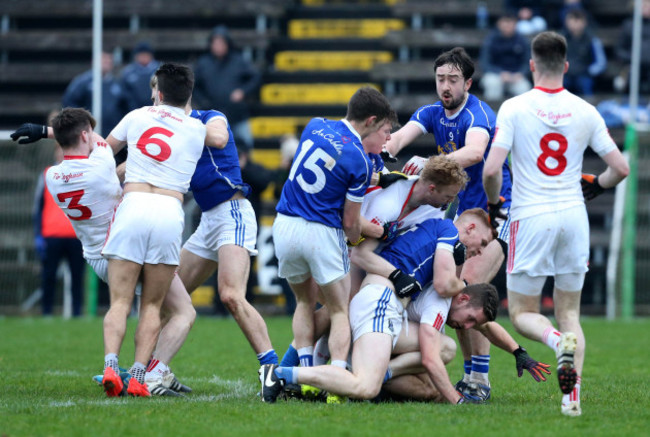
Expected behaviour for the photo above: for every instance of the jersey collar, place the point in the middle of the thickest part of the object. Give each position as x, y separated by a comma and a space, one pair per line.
68, 157
548, 90
347, 123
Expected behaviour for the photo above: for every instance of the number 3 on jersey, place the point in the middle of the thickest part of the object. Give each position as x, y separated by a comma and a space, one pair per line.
557, 155
74, 197
311, 164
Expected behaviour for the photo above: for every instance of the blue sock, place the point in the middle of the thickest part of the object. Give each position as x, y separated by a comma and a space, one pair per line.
290, 358
480, 367
289, 374
388, 375
268, 357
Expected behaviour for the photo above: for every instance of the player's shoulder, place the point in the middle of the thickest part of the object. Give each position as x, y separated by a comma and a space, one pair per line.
205, 116
430, 110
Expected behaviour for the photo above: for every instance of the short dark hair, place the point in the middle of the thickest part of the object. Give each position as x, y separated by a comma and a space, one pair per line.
549, 52
176, 82
577, 14
484, 296
366, 102
68, 125
457, 57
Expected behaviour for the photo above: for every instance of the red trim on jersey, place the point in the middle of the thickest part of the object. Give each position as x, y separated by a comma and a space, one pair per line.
67, 157
371, 189
437, 324
514, 227
548, 90
400, 217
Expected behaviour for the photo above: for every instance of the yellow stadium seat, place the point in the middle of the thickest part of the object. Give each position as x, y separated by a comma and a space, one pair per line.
203, 296
269, 127
329, 61
305, 94
344, 28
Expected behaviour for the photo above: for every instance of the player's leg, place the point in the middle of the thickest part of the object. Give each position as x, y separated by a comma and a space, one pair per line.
194, 270
77, 265
302, 323
337, 301
414, 387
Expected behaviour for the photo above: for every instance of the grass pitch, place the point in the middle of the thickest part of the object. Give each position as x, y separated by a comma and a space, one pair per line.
46, 367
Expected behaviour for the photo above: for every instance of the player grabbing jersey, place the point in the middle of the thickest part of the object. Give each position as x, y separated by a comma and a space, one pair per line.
319, 207
546, 131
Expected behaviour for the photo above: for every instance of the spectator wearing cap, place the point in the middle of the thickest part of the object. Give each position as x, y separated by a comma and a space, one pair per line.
136, 76
224, 80
504, 60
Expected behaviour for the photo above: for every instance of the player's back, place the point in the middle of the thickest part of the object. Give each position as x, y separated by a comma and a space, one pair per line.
218, 175
329, 167
87, 190
164, 146
549, 131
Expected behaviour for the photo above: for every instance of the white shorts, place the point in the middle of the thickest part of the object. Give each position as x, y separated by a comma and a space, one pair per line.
230, 222
550, 244
375, 308
309, 249
100, 266
146, 228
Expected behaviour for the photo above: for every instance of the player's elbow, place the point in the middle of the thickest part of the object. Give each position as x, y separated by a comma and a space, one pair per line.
622, 170
443, 287
490, 171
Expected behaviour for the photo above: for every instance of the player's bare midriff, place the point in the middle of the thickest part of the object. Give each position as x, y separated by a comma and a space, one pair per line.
143, 187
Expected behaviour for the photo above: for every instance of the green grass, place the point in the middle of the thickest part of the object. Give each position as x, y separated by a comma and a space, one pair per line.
46, 367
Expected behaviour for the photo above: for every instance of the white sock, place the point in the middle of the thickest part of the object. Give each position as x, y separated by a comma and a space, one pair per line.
574, 396
321, 351
306, 355
157, 367
340, 363
551, 337
111, 360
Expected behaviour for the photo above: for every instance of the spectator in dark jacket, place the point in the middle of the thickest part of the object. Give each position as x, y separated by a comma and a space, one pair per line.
584, 52
624, 52
504, 60
79, 94
224, 80
137, 75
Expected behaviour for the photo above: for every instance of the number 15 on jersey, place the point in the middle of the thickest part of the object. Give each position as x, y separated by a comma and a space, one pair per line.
318, 161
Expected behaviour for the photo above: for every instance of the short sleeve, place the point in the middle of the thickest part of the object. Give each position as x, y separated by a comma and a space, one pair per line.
504, 134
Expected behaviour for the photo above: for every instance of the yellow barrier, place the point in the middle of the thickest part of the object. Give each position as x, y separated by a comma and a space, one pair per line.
203, 296
269, 127
304, 94
368, 28
329, 61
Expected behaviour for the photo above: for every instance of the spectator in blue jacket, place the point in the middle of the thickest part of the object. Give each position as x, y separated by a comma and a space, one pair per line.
504, 61
585, 54
224, 80
136, 76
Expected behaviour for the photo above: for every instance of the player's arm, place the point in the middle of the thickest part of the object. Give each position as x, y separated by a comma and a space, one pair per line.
617, 169
430, 344
492, 173
121, 172
370, 229
402, 138
445, 281
115, 144
364, 257
216, 133
476, 142
352, 220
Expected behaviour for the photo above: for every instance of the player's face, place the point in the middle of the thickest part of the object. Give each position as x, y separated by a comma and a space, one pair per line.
451, 86
374, 142
442, 195
475, 237
463, 316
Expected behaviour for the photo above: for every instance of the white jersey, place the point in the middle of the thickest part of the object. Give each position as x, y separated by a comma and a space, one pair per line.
429, 308
381, 206
164, 146
547, 132
87, 190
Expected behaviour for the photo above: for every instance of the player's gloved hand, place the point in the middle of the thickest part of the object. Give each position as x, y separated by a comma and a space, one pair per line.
535, 368
494, 211
388, 179
414, 165
356, 243
466, 398
390, 231
590, 186
387, 157
405, 285
33, 132
459, 253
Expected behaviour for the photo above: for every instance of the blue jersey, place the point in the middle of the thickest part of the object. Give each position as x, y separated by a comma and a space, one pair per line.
413, 251
330, 166
450, 135
217, 176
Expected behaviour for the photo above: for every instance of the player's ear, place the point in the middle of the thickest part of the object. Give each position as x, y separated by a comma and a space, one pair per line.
468, 84
370, 121
531, 65
566, 66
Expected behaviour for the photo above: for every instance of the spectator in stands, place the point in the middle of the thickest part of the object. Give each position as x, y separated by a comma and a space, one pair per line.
224, 80
584, 52
624, 52
504, 60
55, 240
137, 75
530, 15
79, 94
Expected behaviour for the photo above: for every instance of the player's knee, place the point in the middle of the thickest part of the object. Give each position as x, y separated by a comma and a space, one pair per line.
448, 351
367, 390
231, 299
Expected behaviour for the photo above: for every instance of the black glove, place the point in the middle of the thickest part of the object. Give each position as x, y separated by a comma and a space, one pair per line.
33, 132
459, 253
494, 210
535, 368
390, 231
387, 157
405, 285
388, 179
590, 186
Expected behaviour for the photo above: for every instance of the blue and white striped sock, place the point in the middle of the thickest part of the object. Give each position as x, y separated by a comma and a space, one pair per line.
268, 357
306, 355
480, 369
